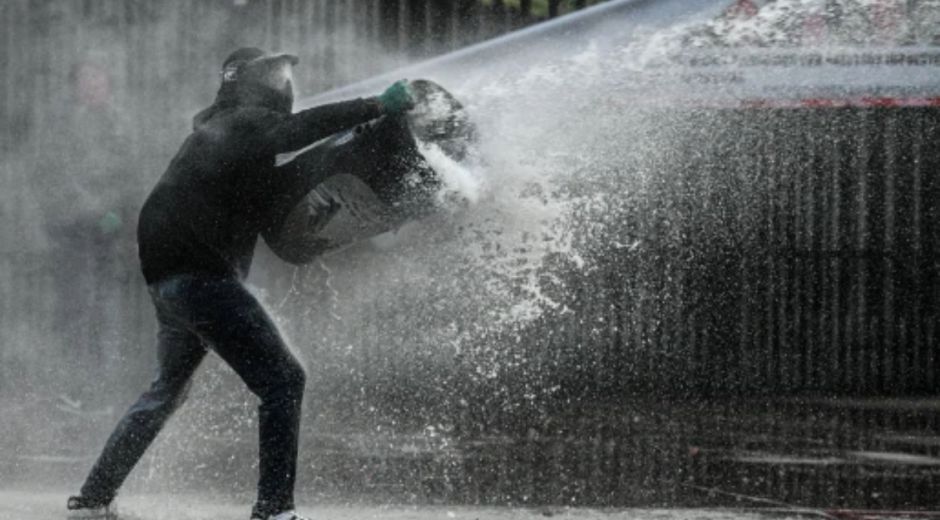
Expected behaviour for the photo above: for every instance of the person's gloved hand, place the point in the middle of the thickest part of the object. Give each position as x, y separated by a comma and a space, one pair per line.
110, 223
397, 98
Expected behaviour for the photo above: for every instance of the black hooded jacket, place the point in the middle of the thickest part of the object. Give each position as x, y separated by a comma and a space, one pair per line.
222, 188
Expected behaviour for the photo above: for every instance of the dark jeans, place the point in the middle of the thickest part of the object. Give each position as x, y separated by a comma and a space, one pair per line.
195, 312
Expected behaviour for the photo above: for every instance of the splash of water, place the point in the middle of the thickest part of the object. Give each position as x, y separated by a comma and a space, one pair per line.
568, 168
557, 161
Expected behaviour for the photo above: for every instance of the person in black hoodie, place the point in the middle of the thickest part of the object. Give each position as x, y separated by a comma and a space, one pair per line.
196, 236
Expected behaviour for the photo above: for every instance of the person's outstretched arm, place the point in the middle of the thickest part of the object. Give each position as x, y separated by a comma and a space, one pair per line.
309, 126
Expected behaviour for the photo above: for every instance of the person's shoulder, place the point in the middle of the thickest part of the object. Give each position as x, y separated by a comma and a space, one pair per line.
237, 129
235, 119
256, 115
249, 123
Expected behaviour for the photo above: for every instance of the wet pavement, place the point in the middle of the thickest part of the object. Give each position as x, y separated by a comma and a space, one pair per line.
25, 504
829, 454
32, 505
820, 454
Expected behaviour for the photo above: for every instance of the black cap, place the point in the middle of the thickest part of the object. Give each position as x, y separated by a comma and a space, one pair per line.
248, 54
243, 55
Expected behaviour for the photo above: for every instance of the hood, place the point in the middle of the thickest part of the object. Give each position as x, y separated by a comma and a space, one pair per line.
248, 79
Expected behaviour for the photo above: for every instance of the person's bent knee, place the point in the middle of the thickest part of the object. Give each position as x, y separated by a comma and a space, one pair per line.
160, 401
287, 385
295, 380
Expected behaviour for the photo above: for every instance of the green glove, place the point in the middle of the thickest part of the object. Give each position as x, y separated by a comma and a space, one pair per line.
110, 223
397, 98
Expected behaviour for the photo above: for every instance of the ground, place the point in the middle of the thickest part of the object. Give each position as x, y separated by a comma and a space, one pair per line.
685, 459
34, 505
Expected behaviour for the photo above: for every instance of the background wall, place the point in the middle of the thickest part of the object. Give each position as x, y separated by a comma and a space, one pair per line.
831, 292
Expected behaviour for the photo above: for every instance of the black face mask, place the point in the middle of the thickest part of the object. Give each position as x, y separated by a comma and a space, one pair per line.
272, 72
288, 89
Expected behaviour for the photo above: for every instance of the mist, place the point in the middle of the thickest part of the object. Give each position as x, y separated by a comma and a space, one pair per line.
623, 259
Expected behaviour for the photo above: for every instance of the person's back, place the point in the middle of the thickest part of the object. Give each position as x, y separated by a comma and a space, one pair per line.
206, 211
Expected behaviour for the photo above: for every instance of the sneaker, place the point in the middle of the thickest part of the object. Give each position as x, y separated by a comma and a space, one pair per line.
286, 515
84, 508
